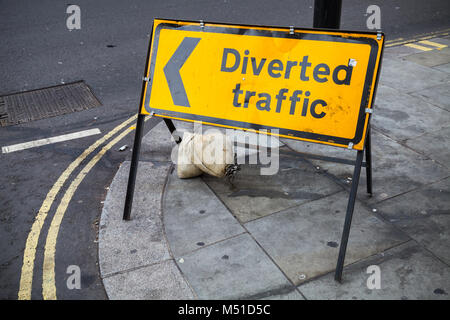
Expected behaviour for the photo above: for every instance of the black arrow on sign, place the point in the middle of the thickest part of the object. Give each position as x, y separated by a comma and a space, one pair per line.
172, 71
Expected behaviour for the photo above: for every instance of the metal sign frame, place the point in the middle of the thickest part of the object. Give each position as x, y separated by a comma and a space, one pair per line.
322, 35
364, 133
299, 34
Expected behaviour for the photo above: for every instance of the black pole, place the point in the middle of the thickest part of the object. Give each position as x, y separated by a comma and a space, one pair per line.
349, 216
133, 167
327, 14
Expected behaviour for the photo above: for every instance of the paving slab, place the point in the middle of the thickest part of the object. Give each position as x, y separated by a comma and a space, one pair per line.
402, 116
424, 215
435, 145
236, 268
252, 195
407, 272
124, 245
438, 95
161, 281
396, 169
398, 52
307, 238
292, 295
158, 145
430, 58
194, 216
443, 67
407, 76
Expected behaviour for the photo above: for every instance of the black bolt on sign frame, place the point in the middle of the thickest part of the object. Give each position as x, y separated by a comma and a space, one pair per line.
322, 21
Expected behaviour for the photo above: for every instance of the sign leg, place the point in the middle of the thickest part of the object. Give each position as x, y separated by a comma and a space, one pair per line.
171, 127
133, 167
348, 216
369, 162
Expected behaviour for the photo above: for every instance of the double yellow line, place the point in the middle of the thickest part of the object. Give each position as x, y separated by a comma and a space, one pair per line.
423, 37
48, 283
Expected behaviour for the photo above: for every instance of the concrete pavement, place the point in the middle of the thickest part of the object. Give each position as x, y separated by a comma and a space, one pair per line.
277, 237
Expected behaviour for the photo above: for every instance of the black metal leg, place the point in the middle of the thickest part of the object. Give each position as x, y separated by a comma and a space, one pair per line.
369, 162
133, 167
169, 125
172, 129
348, 216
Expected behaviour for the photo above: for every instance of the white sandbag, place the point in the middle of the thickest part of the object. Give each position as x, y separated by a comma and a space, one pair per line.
185, 160
213, 152
210, 153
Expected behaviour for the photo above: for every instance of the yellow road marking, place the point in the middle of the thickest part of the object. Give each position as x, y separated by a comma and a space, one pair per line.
394, 40
397, 43
433, 44
48, 276
419, 47
48, 283
401, 41
26, 277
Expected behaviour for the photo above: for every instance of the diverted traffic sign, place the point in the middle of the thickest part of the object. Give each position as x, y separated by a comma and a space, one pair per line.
311, 85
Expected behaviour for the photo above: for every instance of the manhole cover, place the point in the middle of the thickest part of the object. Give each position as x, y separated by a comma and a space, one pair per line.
45, 103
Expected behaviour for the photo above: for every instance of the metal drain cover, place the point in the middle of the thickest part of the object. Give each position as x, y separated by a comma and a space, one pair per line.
45, 103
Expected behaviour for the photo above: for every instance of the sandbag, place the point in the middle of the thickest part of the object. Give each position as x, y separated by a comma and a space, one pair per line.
185, 160
211, 153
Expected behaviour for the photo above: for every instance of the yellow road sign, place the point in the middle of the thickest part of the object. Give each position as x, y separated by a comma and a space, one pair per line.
311, 85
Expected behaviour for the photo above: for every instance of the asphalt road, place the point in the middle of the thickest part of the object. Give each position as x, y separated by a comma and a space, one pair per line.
108, 53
